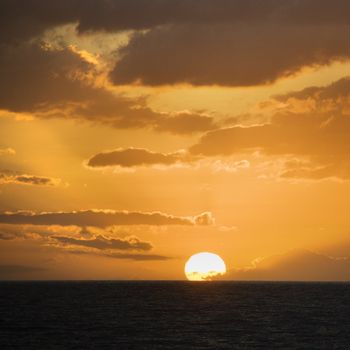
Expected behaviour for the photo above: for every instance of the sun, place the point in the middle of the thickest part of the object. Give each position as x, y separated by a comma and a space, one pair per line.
204, 267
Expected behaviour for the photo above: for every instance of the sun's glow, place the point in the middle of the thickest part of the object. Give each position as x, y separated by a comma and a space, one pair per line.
204, 267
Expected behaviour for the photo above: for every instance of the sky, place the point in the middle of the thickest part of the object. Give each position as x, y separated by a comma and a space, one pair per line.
136, 133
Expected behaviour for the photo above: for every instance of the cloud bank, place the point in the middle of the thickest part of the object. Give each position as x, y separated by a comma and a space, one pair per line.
102, 243
102, 218
296, 265
11, 177
132, 157
310, 131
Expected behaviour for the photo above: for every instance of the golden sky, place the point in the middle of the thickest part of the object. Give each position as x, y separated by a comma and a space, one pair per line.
134, 134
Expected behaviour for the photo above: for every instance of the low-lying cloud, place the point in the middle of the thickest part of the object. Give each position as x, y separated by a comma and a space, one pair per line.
102, 218
296, 265
133, 157
102, 243
11, 177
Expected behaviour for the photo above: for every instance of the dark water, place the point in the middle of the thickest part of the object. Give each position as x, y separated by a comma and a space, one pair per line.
174, 315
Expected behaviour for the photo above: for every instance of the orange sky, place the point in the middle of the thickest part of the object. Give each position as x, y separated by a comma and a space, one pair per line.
133, 136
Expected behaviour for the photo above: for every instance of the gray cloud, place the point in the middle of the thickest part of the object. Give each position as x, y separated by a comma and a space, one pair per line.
224, 42
10, 177
321, 95
100, 218
23, 19
296, 265
238, 54
310, 132
131, 157
82, 241
58, 82
102, 243
123, 256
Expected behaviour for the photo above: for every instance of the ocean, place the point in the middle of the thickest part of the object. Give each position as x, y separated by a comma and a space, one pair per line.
174, 315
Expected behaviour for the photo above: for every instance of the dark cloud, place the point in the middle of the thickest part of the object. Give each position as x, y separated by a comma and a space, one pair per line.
58, 82
321, 95
310, 132
123, 256
102, 243
100, 218
23, 19
13, 231
34, 76
224, 42
81, 240
241, 54
288, 133
297, 265
53, 82
10, 177
132, 157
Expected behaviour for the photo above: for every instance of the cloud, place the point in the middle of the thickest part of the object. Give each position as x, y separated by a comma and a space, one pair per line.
228, 54
82, 241
58, 81
308, 129
296, 265
207, 42
132, 157
10, 177
53, 82
204, 219
102, 243
23, 20
101, 218
123, 256
41, 232
319, 94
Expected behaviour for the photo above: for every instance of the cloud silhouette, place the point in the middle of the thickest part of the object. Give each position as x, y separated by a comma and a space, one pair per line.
82, 241
23, 20
310, 132
123, 256
102, 218
11, 177
228, 54
132, 157
211, 42
102, 243
59, 82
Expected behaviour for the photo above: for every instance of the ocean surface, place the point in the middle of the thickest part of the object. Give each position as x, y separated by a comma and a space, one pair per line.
174, 315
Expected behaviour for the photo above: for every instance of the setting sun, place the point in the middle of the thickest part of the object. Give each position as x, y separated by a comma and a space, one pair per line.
204, 267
